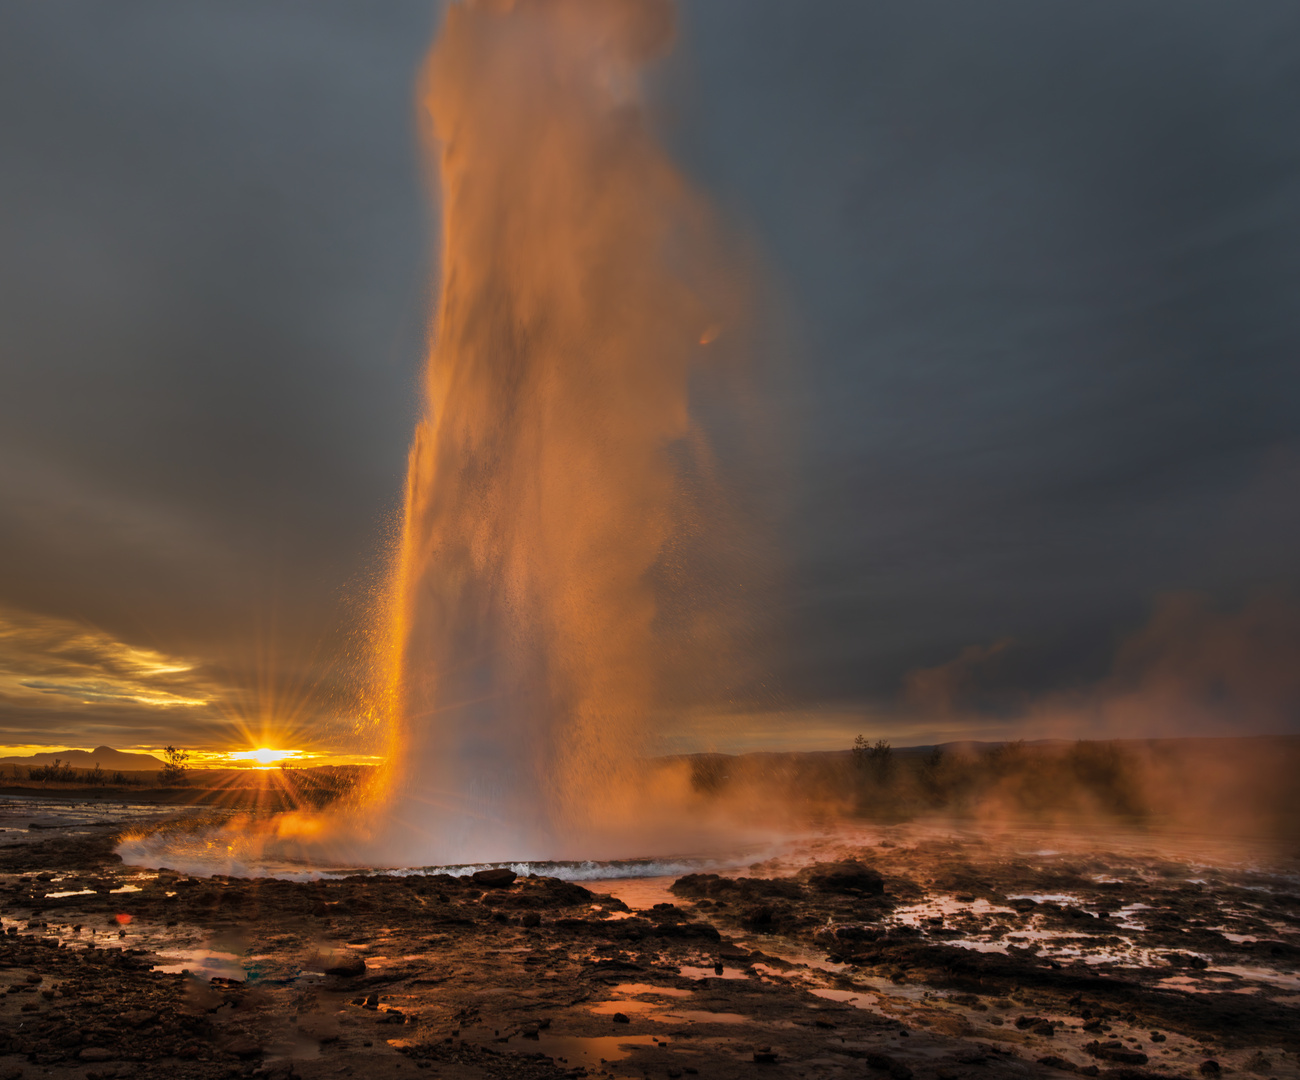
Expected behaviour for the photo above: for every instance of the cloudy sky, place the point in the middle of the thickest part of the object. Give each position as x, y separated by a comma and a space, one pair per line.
1037, 268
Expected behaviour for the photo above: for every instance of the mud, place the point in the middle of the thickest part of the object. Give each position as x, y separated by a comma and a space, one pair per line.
909, 952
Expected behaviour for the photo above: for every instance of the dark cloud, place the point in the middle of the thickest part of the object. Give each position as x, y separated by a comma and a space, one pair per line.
1041, 264
1045, 261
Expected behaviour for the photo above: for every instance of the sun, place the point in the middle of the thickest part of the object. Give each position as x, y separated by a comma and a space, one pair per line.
264, 755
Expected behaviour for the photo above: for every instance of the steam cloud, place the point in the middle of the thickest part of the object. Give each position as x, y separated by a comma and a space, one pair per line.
538, 595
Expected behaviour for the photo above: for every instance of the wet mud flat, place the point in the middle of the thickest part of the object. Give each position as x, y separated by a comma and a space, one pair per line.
907, 952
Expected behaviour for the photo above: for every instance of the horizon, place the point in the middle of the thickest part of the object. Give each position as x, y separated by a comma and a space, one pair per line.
226, 760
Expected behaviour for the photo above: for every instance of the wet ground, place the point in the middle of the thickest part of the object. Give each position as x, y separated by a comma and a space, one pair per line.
919, 951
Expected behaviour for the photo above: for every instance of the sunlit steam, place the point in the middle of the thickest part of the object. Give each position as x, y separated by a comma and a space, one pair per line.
546, 477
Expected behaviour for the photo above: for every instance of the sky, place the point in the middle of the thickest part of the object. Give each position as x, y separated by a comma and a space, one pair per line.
1035, 267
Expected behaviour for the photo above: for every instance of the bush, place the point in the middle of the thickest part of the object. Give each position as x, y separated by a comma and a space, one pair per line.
174, 771
56, 772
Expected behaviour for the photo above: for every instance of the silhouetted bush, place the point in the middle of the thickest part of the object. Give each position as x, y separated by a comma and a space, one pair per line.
175, 773
55, 772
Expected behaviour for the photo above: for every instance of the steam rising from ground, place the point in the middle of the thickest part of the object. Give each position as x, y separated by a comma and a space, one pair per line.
550, 479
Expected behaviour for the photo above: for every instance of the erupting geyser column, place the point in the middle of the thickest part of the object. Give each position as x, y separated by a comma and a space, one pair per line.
545, 482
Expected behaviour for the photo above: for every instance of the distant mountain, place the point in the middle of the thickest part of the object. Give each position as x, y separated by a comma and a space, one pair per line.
105, 757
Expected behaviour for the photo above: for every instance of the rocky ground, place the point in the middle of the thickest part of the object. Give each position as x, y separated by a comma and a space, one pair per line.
909, 952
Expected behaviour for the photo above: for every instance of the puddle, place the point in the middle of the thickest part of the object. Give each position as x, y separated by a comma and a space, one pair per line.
576, 1051
946, 906
690, 972
856, 998
703, 1016
1049, 898
609, 1008
1264, 975
657, 1011
637, 893
202, 964
635, 989
69, 892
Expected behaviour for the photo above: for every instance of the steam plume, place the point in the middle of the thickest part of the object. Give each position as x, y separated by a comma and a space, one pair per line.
547, 483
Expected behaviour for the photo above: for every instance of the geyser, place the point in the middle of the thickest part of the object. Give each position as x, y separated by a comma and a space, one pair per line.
553, 491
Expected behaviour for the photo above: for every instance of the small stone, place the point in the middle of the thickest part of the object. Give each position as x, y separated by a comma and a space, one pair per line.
1210, 1067
96, 1053
621, 1018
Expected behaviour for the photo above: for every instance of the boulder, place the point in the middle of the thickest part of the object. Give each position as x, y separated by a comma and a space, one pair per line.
849, 876
347, 965
244, 1046
498, 878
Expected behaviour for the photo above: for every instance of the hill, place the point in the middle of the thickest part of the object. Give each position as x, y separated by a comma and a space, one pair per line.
104, 756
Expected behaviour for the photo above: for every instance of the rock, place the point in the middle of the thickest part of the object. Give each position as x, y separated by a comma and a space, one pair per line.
96, 1053
840, 933
244, 1046
346, 965
702, 885
849, 876
1117, 1052
893, 1066
621, 1018
764, 1057
499, 878
1209, 1067
530, 919
1054, 1062
686, 930
557, 893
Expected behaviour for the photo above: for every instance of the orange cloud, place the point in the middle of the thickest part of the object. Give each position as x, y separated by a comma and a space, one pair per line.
43, 657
